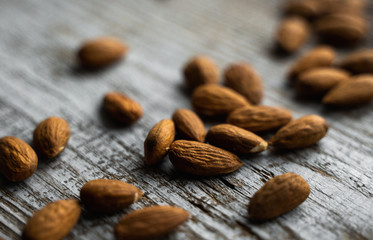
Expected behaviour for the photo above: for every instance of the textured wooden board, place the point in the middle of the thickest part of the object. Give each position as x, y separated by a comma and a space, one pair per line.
38, 79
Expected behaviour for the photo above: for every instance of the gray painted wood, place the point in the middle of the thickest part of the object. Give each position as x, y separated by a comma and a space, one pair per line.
38, 79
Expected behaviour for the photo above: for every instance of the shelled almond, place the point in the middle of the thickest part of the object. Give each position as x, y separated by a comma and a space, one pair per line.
200, 70
292, 33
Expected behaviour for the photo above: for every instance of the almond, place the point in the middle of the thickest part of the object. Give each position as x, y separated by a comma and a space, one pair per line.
356, 92
122, 108
51, 136
150, 223
299, 133
189, 125
278, 196
306, 8
235, 139
292, 33
213, 100
108, 196
359, 62
158, 141
357, 7
260, 118
243, 79
101, 52
200, 70
18, 160
53, 222
202, 159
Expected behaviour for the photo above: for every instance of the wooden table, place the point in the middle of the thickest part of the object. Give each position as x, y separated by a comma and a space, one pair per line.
39, 78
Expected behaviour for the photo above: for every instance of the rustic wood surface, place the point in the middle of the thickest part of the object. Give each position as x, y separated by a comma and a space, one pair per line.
39, 78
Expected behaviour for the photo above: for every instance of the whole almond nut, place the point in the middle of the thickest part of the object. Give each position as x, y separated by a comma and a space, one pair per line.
260, 118
150, 223
356, 92
101, 52
278, 196
200, 70
292, 33
202, 159
213, 100
359, 62
122, 108
243, 79
53, 222
235, 139
299, 133
18, 160
316, 82
158, 141
304, 8
189, 125
51, 136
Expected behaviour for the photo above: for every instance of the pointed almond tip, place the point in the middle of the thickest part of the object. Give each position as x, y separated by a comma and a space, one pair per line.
262, 146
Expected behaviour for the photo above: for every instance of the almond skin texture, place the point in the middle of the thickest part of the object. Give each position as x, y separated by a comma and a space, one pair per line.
260, 118
243, 79
18, 160
202, 159
122, 108
356, 92
235, 139
108, 196
200, 70
359, 62
51, 136
189, 125
292, 33
213, 100
316, 82
278, 196
300, 133
158, 141
101, 52
150, 223
53, 222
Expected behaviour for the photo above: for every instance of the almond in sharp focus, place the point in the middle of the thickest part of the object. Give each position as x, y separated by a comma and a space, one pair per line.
292, 33
189, 125
235, 139
202, 159
150, 223
357, 91
278, 196
200, 70
101, 52
108, 196
122, 108
359, 62
213, 100
158, 141
53, 222
243, 79
18, 160
299, 133
260, 118
51, 136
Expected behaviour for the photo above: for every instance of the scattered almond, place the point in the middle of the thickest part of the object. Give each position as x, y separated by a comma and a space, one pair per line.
189, 125
292, 33
200, 70
359, 62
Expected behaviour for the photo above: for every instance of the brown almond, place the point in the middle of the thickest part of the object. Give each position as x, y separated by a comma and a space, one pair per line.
357, 7
53, 222
189, 125
304, 8
122, 108
299, 133
243, 79
150, 223
158, 141
316, 82
202, 159
278, 196
18, 160
359, 62
213, 100
108, 196
200, 70
260, 118
101, 52
356, 92
292, 33
51, 136
235, 139
321, 56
